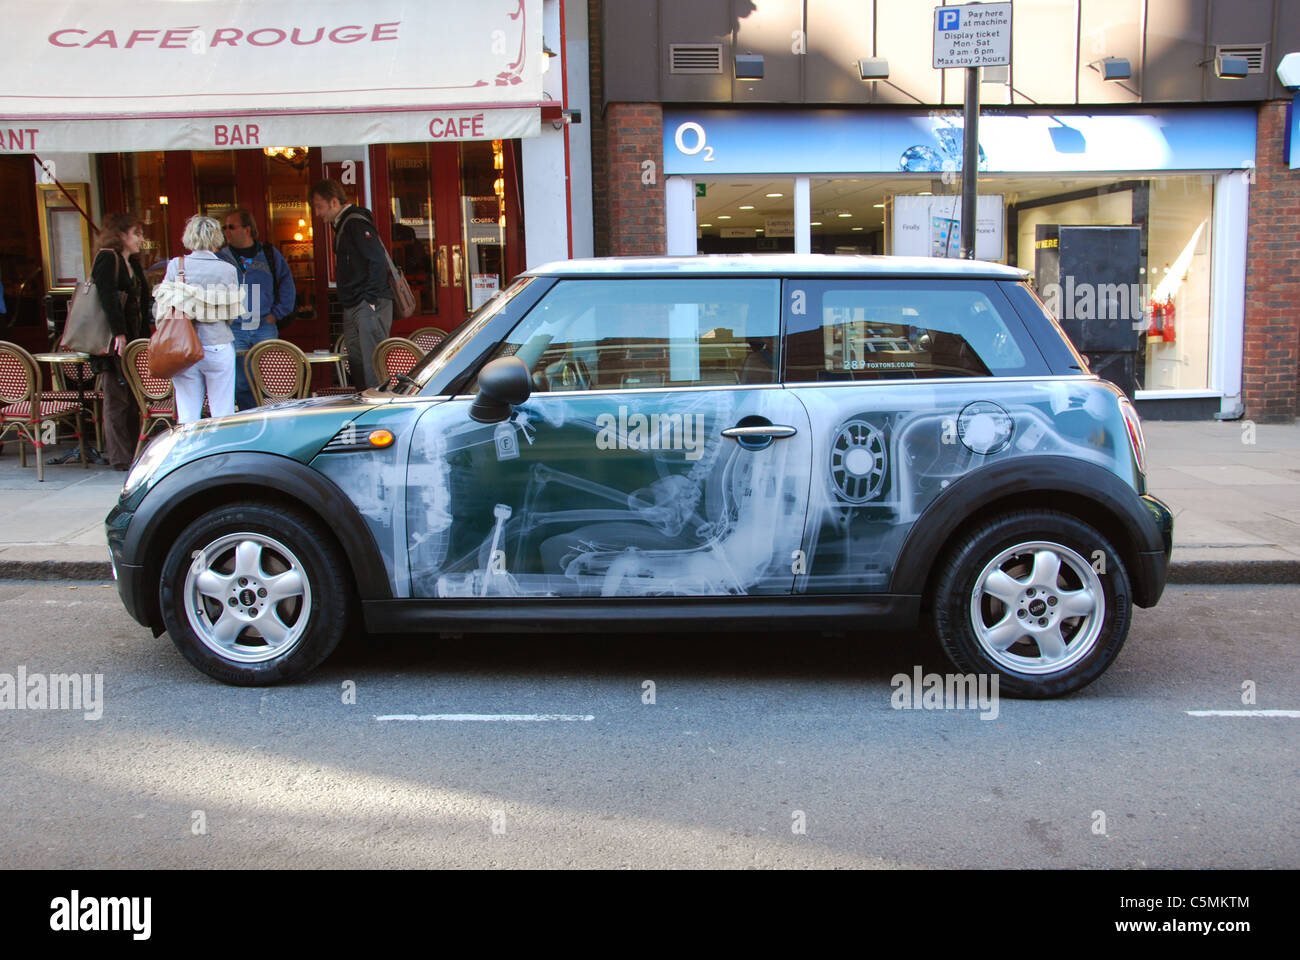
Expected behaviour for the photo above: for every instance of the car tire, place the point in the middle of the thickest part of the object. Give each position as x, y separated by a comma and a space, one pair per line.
1038, 597
254, 594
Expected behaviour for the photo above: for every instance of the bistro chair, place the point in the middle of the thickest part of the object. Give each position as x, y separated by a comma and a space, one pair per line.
426, 338
25, 408
340, 373
66, 377
276, 370
395, 356
153, 395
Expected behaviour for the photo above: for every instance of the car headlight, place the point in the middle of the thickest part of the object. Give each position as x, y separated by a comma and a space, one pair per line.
152, 457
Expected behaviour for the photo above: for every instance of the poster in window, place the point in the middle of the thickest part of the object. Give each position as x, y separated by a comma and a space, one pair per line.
65, 234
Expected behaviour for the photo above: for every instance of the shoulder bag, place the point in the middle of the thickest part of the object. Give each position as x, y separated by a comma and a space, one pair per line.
87, 330
175, 344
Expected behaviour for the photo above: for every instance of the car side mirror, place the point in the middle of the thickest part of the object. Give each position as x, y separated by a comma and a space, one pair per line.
502, 384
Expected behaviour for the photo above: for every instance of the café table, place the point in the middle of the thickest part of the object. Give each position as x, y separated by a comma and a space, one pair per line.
73, 356
320, 356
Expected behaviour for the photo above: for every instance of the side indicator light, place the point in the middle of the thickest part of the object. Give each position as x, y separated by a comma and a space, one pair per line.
381, 438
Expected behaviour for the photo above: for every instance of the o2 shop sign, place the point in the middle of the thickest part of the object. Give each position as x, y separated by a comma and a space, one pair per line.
691, 141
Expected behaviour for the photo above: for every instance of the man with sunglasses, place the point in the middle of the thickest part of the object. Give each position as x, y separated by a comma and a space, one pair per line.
271, 293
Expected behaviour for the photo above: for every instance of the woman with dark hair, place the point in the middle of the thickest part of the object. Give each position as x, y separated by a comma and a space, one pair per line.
124, 292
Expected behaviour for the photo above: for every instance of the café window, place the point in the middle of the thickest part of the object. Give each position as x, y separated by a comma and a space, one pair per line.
144, 189
415, 233
288, 223
215, 192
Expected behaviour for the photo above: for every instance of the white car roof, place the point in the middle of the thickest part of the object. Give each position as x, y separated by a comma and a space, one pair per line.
780, 264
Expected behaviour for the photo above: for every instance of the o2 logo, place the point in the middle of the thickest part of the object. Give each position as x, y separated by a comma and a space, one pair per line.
700, 145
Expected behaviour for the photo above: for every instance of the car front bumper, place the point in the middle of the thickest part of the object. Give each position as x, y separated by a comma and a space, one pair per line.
130, 573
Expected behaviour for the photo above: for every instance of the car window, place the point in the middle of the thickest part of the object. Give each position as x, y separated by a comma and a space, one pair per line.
891, 329
619, 334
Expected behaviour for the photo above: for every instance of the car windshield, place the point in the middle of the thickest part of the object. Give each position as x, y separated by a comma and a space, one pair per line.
437, 358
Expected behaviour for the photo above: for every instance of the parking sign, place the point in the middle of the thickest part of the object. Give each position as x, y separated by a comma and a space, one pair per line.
972, 35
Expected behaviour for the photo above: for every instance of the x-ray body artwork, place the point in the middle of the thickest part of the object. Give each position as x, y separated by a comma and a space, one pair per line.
618, 494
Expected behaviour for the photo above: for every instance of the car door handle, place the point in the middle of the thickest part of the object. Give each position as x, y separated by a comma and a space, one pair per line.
768, 431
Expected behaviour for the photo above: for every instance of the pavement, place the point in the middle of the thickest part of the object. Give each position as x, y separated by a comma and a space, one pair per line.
1234, 488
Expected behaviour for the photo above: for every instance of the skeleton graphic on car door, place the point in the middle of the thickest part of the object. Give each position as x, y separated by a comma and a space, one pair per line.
641, 465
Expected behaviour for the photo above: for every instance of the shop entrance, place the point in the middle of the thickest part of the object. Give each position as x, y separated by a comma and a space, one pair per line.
448, 213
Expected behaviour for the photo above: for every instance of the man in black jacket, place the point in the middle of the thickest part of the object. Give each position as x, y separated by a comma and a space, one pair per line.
361, 271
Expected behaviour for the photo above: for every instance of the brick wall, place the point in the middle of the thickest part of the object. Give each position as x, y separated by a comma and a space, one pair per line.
599, 143
634, 135
627, 215
1271, 351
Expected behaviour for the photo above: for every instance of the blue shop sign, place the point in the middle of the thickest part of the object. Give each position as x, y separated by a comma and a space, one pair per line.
703, 142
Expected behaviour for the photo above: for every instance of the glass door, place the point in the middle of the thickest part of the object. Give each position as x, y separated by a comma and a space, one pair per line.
420, 232
289, 225
483, 219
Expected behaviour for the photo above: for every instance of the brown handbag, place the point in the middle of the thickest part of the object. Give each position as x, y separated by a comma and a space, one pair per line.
175, 344
403, 298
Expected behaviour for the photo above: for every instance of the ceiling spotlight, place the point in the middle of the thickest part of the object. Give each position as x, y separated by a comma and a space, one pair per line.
746, 206
724, 216
775, 196
843, 216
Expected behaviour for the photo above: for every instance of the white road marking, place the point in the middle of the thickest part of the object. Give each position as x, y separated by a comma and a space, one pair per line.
490, 717
1293, 714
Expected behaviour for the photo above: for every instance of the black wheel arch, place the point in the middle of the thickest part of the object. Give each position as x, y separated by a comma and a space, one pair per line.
1076, 487
223, 478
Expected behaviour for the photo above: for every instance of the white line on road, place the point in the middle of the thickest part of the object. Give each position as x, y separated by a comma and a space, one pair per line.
490, 717
1293, 714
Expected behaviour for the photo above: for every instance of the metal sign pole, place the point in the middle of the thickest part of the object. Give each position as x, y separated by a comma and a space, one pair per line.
970, 161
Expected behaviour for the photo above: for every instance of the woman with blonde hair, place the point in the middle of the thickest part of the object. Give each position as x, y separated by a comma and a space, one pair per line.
212, 296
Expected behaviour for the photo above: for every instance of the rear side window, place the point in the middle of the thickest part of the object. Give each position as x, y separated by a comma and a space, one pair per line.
904, 329
629, 334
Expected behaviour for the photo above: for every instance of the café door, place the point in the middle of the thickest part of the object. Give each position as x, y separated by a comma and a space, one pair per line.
449, 224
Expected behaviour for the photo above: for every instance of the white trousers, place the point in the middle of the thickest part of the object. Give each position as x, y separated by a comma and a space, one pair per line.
215, 375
